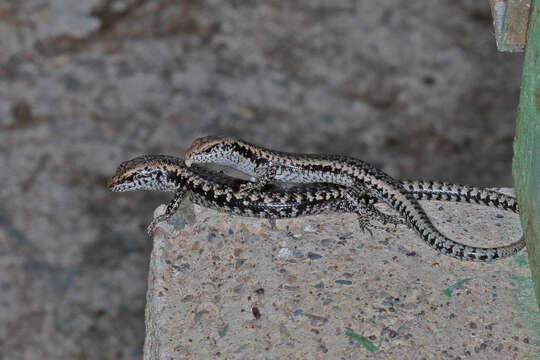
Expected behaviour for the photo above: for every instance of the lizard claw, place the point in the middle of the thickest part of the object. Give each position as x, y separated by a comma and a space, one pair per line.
365, 225
152, 227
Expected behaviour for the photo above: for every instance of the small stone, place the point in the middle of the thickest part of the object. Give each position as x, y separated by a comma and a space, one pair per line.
240, 349
178, 224
317, 320
310, 228
284, 253
344, 282
223, 330
328, 242
256, 312
199, 315
298, 254
402, 250
291, 288
319, 285
477, 349
390, 301
298, 312
185, 267
313, 256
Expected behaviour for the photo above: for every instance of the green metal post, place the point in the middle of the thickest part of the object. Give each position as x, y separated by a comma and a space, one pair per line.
526, 162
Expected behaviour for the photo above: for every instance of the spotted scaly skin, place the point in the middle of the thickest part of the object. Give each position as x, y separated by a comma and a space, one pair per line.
443, 191
266, 164
220, 192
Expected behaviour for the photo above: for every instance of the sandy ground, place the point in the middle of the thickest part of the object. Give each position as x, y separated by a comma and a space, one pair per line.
417, 88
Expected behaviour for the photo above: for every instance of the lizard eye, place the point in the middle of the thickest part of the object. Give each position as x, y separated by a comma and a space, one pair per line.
207, 151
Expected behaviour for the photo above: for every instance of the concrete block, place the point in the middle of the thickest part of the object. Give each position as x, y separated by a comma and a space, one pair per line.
228, 287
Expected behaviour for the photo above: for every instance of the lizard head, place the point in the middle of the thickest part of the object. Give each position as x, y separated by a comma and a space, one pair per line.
209, 149
147, 172
223, 150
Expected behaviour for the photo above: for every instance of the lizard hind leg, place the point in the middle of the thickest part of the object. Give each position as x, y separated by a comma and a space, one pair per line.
388, 219
366, 211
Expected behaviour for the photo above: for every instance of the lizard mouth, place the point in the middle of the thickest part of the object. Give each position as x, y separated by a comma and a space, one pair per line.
112, 184
188, 163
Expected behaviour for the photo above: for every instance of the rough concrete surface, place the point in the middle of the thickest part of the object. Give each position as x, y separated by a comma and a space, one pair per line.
415, 87
231, 287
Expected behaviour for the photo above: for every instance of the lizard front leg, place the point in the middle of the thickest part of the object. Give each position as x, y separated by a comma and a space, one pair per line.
172, 206
264, 173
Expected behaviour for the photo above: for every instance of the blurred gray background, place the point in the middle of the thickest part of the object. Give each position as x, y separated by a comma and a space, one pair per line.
415, 87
